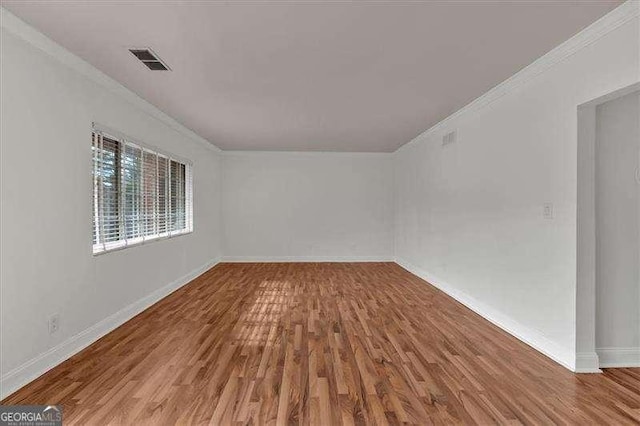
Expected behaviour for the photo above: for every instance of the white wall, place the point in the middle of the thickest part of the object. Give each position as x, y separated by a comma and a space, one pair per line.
617, 230
47, 261
469, 216
307, 206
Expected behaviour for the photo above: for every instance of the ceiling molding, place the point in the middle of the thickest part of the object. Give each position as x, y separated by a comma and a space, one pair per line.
26, 32
609, 22
302, 154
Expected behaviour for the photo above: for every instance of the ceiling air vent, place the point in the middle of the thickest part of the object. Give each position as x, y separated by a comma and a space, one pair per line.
149, 58
449, 138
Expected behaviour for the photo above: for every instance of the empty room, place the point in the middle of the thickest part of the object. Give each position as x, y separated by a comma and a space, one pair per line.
319, 212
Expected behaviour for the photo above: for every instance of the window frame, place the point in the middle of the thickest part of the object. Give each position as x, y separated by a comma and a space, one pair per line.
123, 142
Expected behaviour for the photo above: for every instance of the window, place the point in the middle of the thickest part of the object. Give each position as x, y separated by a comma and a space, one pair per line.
139, 194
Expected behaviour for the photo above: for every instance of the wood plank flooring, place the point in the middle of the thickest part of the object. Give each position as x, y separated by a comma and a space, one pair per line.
322, 343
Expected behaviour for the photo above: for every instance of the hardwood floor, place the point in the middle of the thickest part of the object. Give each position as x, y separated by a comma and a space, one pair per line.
322, 343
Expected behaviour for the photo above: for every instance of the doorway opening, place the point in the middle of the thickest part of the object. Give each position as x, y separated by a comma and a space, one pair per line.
608, 275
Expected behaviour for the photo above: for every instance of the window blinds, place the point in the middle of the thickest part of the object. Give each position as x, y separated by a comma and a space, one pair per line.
138, 194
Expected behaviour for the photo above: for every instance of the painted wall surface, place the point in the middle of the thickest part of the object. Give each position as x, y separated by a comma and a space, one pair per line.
47, 262
294, 206
470, 214
617, 224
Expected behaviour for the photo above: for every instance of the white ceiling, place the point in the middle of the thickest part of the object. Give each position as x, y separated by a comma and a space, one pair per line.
333, 76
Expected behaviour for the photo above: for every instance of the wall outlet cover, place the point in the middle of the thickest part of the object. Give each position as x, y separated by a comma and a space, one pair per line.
54, 323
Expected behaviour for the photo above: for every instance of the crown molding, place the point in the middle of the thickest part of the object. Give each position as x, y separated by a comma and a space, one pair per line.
614, 19
609, 22
303, 154
26, 32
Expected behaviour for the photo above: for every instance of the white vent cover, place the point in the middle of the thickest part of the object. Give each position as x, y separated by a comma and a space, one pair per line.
449, 138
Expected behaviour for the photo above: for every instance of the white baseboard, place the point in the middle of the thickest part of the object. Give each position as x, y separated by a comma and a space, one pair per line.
618, 357
34, 368
587, 362
531, 337
291, 259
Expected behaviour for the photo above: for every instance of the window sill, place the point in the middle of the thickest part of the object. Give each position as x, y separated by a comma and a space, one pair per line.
121, 245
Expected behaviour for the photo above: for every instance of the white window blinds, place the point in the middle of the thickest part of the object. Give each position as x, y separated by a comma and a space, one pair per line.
139, 194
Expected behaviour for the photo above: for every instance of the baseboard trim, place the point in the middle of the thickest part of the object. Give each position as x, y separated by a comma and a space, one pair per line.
587, 362
531, 337
618, 357
312, 259
34, 368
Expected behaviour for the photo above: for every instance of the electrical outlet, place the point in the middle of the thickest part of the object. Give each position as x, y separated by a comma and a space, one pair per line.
547, 210
54, 323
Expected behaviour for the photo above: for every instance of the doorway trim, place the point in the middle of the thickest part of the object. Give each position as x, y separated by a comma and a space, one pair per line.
587, 360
